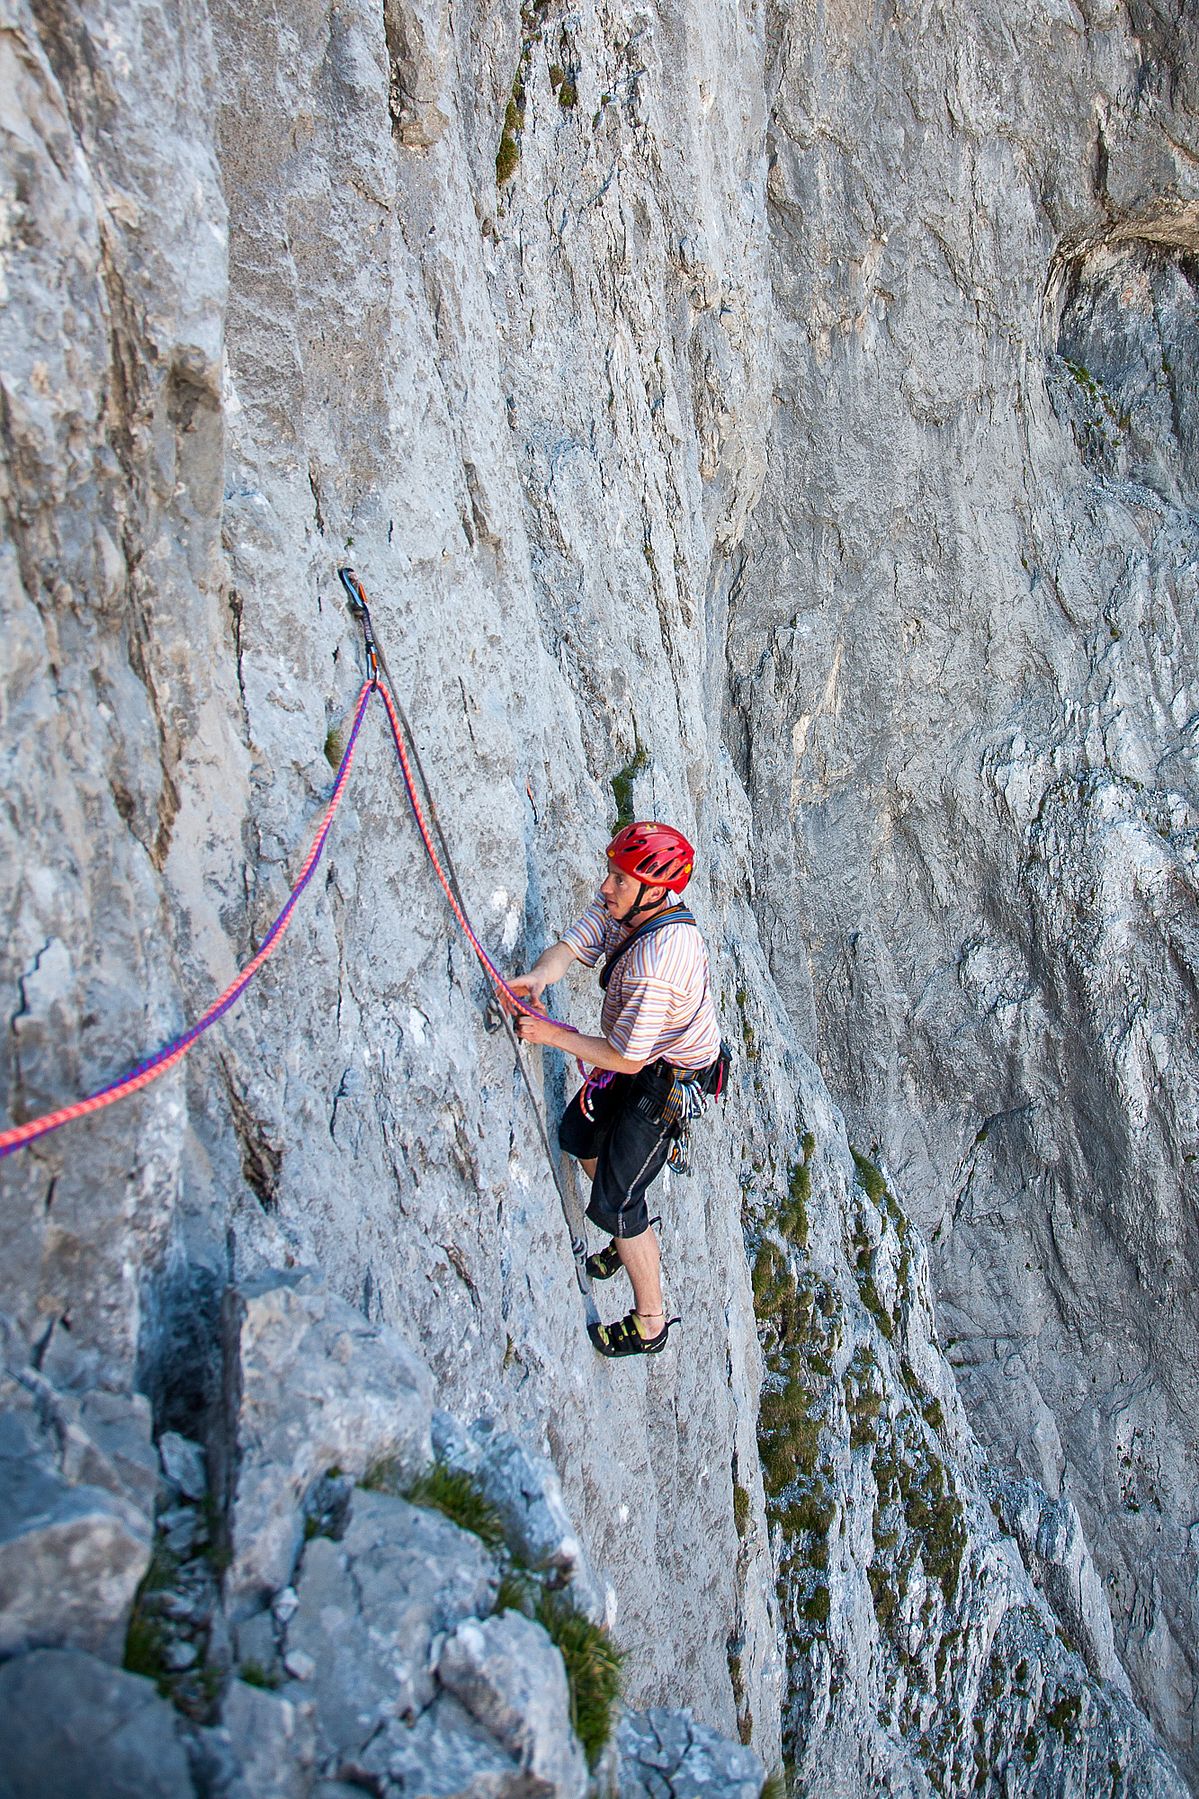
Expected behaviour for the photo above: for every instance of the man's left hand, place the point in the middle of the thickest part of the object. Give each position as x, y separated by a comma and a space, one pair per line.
534, 1030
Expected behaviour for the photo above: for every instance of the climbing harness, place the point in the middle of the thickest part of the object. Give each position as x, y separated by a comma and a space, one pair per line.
597, 1078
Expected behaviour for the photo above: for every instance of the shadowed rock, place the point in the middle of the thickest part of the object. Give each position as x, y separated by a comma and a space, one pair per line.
511, 1679
667, 1755
372, 1611
71, 1557
74, 1726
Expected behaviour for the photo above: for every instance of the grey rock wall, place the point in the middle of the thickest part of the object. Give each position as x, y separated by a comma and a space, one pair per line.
609, 429
963, 698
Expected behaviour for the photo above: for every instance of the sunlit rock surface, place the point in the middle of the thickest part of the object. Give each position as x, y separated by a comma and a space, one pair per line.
791, 414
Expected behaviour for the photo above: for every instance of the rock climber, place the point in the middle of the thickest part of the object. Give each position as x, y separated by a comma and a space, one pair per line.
659, 1045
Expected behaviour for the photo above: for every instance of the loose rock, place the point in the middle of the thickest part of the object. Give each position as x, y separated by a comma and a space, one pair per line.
75, 1727
71, 1558
511, 1679
370, 1608
273, 1741
666, 1753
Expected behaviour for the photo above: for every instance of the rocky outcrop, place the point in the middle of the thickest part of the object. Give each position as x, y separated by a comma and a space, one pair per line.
74, 1725
72, 1551
408, 1648
315, 1387
667, 1753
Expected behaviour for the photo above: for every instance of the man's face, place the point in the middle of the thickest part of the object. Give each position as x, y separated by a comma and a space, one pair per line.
619, 893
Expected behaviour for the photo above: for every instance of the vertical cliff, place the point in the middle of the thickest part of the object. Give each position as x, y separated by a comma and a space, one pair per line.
963, 700
625, 355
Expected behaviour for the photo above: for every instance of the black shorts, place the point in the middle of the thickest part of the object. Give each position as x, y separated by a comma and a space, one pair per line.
629, 1141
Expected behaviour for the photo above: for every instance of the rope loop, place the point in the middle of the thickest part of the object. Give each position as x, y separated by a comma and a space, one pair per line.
22, 1135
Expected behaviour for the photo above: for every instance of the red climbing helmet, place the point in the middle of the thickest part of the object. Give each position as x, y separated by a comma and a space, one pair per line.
655, 854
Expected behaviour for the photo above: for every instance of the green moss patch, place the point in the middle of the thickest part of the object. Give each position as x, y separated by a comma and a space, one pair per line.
622, 785
457, 1495
593, 1663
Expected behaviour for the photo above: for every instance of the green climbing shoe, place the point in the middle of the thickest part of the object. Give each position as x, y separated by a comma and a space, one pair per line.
606, 1262
627, 1337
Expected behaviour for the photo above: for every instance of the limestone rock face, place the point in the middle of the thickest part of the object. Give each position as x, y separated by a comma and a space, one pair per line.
272, 1742
510, 1678
963, 697
71, 1553
370, 1609
778, 421
317, 1388
525, 1490
663, 1752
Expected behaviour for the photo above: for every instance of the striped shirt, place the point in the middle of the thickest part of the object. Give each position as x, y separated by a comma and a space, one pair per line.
659, 1000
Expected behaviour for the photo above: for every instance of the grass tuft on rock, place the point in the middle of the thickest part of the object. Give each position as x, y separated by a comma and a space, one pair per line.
517, 1592
793, 1218
591, 1659
593, 1663
870, 1178
458, 1496
740, 1510
622, 784
255, 1675
146, 1639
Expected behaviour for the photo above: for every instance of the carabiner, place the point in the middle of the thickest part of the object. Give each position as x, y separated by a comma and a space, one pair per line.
361, 611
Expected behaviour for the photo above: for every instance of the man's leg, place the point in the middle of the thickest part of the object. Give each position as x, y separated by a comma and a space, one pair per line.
643, 1265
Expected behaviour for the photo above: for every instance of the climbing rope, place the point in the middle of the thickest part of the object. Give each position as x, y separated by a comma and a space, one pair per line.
20, 1136
448, 878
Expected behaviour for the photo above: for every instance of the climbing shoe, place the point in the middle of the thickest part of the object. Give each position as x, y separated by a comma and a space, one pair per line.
627, 1337
606, 1262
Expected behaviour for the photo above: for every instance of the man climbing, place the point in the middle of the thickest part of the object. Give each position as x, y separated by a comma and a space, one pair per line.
659, 1043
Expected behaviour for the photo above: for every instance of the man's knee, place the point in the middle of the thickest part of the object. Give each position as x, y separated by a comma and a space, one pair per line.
573, 1135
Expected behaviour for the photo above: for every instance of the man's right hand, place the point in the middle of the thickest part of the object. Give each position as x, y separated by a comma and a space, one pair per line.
528, 986
549, 967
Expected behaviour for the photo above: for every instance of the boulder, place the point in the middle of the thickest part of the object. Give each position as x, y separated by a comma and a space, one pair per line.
525, 1490
445, 1754
71, 1557
510, 1677
257, 1646
108, 1442
667, 1755
373, 1610
183, 1465
74, 1726
316, 1387
273, 1743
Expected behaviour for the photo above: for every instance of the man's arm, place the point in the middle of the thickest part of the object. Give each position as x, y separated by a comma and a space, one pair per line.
596, 1051
549, 967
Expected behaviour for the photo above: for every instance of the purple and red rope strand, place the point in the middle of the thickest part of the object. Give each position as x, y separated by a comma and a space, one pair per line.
141, 1075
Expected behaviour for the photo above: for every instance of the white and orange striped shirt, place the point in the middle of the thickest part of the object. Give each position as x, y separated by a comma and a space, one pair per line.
659, 1000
